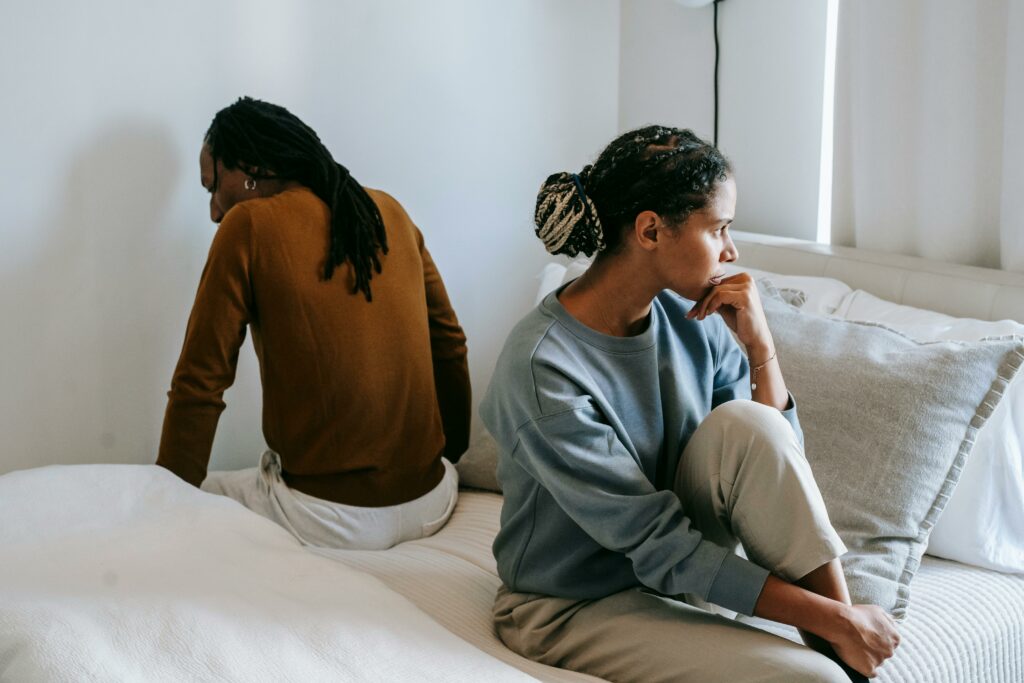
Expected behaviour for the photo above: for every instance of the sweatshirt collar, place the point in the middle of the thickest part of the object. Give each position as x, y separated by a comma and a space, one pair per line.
606, 342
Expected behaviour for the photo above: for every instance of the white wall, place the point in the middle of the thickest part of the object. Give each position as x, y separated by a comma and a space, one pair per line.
666, 66
771, 80
457, 107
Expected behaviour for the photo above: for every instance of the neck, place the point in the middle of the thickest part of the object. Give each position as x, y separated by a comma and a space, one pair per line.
268, 188
610, 297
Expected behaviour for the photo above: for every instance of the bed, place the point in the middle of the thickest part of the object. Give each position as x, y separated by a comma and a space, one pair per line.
123, 572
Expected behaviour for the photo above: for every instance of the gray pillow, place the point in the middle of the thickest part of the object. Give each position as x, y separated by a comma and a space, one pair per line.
888, 424
478, 466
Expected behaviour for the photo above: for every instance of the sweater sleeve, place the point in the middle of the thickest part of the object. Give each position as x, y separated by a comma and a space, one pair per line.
209, 356
590, 474
448, 351
732, 378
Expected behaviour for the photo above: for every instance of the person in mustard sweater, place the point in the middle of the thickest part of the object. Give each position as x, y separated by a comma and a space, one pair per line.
366, 395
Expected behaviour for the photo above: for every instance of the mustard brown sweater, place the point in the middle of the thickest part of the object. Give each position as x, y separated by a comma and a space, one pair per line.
359, 398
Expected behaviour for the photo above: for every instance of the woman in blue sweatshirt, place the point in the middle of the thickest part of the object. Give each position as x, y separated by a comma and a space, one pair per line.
640, 447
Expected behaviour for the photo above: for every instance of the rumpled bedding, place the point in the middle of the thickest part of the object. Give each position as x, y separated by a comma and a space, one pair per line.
126, 573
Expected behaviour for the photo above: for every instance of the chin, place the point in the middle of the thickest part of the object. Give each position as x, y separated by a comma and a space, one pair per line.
693, 292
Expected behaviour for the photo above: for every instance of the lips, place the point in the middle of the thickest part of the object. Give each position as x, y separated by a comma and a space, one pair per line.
717, 280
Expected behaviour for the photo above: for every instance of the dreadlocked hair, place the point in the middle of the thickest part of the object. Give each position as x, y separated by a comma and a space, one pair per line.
669, 171
269, 142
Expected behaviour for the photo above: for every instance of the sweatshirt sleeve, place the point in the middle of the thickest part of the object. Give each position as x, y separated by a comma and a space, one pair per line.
732, 378
590, 474
451, 368
209, 355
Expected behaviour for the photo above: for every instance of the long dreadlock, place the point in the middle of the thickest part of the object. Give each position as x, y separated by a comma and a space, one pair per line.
269, 142
666, 170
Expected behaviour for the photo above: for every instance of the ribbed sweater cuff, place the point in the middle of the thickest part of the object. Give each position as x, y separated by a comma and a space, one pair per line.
737, 585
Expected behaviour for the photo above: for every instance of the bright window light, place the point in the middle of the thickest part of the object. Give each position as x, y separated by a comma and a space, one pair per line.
824, 235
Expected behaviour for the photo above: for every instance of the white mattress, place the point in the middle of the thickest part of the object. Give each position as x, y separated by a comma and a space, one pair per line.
452, 577
965, 625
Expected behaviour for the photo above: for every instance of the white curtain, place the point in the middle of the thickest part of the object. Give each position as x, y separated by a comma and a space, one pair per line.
929, 129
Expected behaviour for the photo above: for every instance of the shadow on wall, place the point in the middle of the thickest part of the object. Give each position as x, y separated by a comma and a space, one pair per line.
82, 315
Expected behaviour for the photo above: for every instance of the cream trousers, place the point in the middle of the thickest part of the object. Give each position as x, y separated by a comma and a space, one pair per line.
325, 524
744, 482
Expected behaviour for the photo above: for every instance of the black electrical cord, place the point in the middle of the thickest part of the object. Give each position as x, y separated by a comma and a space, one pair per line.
716, 69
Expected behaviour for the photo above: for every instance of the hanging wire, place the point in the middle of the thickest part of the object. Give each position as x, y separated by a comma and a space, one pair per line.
716, 69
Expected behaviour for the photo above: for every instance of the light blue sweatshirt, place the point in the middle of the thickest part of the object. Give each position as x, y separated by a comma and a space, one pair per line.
590, 428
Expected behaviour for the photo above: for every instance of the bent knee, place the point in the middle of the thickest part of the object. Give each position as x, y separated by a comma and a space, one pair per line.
755, 417
750, 429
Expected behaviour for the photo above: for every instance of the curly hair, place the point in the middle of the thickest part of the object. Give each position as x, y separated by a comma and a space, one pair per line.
669, 171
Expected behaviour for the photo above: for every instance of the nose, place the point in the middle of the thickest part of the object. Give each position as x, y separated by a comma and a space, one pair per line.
730, 253
216, 215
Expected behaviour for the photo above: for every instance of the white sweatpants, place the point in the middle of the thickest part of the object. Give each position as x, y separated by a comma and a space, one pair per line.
325, 524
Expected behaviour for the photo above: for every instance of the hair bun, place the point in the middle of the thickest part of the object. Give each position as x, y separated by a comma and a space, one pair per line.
566, 217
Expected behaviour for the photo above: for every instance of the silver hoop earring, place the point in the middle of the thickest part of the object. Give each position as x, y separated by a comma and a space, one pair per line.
250, 184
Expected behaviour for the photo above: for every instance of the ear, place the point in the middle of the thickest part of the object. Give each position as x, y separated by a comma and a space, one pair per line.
251, 171
647, 228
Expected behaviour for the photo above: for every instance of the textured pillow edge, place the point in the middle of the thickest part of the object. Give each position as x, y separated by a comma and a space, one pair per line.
1013, 361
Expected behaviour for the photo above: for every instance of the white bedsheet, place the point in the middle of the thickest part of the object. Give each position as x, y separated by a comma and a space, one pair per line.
125, 573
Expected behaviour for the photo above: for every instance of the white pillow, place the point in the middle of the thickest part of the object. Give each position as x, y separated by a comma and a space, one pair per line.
554, 275
927, 325
983, 523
